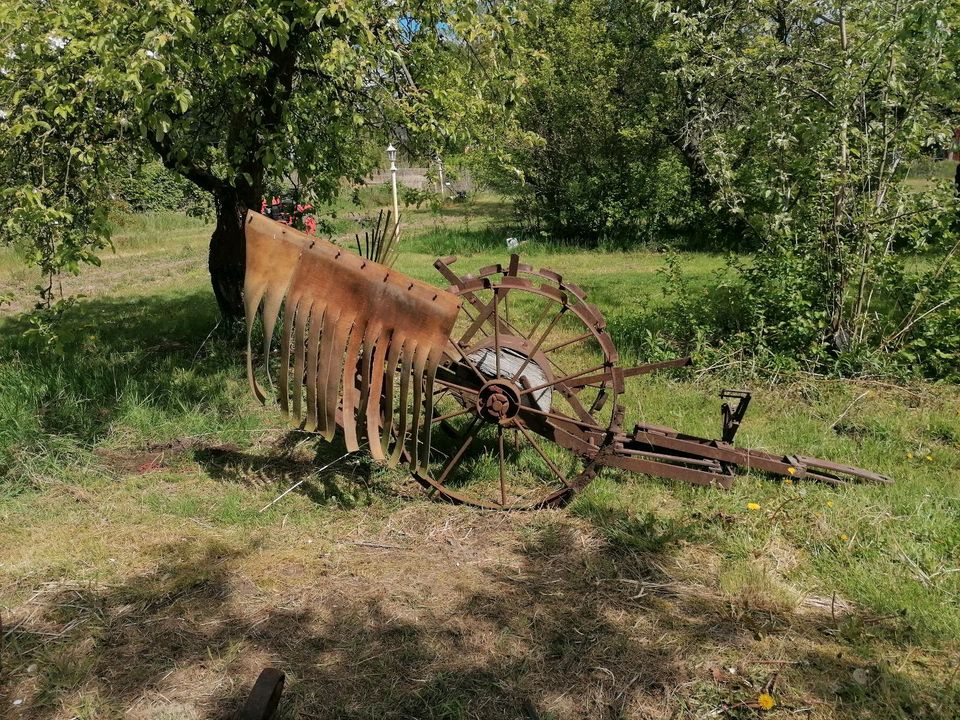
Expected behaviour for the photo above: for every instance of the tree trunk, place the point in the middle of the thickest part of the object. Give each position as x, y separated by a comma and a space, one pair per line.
227, 259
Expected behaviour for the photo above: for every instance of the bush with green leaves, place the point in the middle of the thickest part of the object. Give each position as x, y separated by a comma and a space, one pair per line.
807, 118
598, 158
150, 187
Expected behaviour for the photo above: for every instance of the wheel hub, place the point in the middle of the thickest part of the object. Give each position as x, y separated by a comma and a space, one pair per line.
498, 401
514, 358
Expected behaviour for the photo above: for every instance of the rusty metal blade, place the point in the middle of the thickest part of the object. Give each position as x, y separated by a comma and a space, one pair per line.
393, 357
351, 394
406, 368
373, 406
341, 314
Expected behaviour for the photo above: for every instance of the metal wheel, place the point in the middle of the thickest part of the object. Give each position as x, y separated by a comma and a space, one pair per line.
526, 400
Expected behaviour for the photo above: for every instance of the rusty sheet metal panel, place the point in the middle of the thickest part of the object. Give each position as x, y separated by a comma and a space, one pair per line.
348, 324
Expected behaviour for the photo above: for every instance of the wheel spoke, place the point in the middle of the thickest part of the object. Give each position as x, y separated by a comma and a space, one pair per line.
559, 381
455, 386
455, 458
484, 393
503, 482
472, 319
562, 418
484, 311
451, 415
543, 337
482, 316
468, 361
567, 342
496, 329
548, 461
541, 317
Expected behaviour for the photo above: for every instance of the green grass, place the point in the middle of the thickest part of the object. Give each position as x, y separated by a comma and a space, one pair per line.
139, 574
926, 174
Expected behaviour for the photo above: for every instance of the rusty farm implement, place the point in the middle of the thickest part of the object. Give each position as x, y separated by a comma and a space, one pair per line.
502, 391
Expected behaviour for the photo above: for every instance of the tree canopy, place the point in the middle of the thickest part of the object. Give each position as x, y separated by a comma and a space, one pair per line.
230, 95
785, 128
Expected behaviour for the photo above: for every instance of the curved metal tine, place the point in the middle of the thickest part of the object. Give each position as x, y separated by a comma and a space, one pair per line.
503, 482
548, 461
455, 458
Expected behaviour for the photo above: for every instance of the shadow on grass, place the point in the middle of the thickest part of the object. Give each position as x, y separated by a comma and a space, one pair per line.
351, 485
158, 372
563, 628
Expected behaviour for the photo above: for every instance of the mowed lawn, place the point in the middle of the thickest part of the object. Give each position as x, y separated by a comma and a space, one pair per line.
139, 577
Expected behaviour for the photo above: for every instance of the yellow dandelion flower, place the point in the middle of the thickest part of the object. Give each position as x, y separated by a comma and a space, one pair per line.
766, 701
909, 456
787, 481
929, 458
753, 506
792, 470
829, 503
843, 536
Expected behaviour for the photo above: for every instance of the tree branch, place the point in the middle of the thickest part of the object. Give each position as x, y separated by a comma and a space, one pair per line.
201, 178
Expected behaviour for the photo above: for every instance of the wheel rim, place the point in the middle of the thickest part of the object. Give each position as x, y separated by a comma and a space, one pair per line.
514, 427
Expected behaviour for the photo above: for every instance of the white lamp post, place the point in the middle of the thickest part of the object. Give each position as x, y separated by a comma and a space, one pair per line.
392, 154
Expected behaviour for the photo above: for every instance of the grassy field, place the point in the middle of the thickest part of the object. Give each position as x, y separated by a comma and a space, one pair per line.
140, 579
